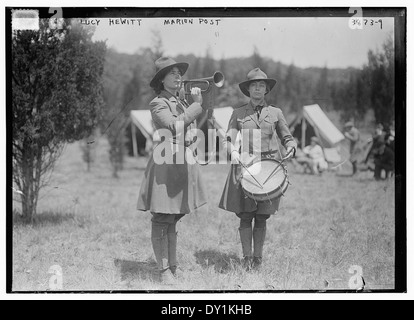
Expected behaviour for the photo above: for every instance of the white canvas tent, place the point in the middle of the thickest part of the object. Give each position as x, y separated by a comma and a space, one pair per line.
142, 120
325, 128
315, 122
222, 118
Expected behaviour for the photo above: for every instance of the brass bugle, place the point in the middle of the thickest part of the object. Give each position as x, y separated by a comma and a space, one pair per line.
217, 79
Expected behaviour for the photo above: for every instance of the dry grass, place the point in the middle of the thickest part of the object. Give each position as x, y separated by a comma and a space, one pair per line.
88, 225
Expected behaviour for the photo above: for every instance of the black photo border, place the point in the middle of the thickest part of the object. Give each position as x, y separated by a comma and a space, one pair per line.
400, 37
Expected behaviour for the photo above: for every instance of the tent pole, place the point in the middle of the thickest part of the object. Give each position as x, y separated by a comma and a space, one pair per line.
303, 133
134, 140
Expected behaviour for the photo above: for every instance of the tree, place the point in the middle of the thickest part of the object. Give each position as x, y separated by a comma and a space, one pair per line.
223, 65
209, 66
194, 71
117, 141
362, 93
56, 98
322, 89
88, 150
117, 131
293, 88
381, 69
257, 61
158, 50
277, 93
350, 99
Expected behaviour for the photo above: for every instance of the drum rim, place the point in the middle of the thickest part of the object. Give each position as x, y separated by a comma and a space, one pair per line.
258, 196
271, 192
253, 194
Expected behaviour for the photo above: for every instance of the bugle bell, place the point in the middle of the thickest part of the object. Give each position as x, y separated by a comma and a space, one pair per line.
217, 79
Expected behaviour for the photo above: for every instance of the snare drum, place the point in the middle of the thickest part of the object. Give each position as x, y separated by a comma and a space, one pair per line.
274, 188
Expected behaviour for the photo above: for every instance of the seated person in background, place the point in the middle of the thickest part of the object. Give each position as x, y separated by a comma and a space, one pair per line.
315, 153
377, 139
390, 137
384, 161
301, 160
312, 157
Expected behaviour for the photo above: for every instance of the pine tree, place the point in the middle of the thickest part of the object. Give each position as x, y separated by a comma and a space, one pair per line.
56, 98
381, 68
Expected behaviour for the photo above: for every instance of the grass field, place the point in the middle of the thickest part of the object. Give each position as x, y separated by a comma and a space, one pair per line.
88, 225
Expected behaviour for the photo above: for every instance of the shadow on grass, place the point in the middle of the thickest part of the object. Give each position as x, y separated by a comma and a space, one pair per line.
140, 168
345, 175
47, 218
222, 262
146, 270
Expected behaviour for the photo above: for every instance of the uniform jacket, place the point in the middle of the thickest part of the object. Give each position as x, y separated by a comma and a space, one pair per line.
272, 125
172, 188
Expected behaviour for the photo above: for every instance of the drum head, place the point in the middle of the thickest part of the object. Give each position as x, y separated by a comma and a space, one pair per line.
261, 171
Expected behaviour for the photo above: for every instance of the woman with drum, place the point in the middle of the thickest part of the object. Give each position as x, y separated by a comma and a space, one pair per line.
259, 125
171, 189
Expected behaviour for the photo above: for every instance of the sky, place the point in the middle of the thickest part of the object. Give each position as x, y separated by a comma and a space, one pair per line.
306, 42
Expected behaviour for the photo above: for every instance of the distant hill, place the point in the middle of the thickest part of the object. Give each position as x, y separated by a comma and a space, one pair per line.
295, 86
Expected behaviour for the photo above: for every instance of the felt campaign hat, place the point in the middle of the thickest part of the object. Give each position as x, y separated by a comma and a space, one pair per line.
349, 124
163, 65
256, 75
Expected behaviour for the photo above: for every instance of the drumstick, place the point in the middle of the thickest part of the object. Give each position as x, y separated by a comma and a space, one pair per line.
334, 167
261, 187
274, 170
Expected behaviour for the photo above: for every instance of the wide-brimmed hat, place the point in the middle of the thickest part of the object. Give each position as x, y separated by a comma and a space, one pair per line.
256, 75
163, 65
349, 124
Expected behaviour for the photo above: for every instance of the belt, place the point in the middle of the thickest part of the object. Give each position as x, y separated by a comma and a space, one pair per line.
268, 153
264, 153
186, 143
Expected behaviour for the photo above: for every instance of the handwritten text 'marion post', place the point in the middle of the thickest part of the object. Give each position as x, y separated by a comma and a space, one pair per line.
199, 21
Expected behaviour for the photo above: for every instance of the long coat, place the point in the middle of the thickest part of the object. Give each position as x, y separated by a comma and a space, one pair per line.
271, 123
174, 188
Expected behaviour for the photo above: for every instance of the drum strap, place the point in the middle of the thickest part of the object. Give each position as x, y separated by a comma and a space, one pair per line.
277, 142
278, 147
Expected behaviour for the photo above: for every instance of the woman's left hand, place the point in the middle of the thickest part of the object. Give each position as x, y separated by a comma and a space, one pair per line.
290, 152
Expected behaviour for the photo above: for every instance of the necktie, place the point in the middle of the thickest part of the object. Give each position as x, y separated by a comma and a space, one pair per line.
258, 110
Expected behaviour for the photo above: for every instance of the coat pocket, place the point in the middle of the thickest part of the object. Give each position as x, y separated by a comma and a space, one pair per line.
246, 123
268, 126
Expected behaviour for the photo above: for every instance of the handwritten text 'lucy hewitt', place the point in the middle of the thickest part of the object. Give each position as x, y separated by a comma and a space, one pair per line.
112, 21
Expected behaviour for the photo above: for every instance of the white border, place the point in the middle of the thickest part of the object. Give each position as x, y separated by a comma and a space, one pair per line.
220, 296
